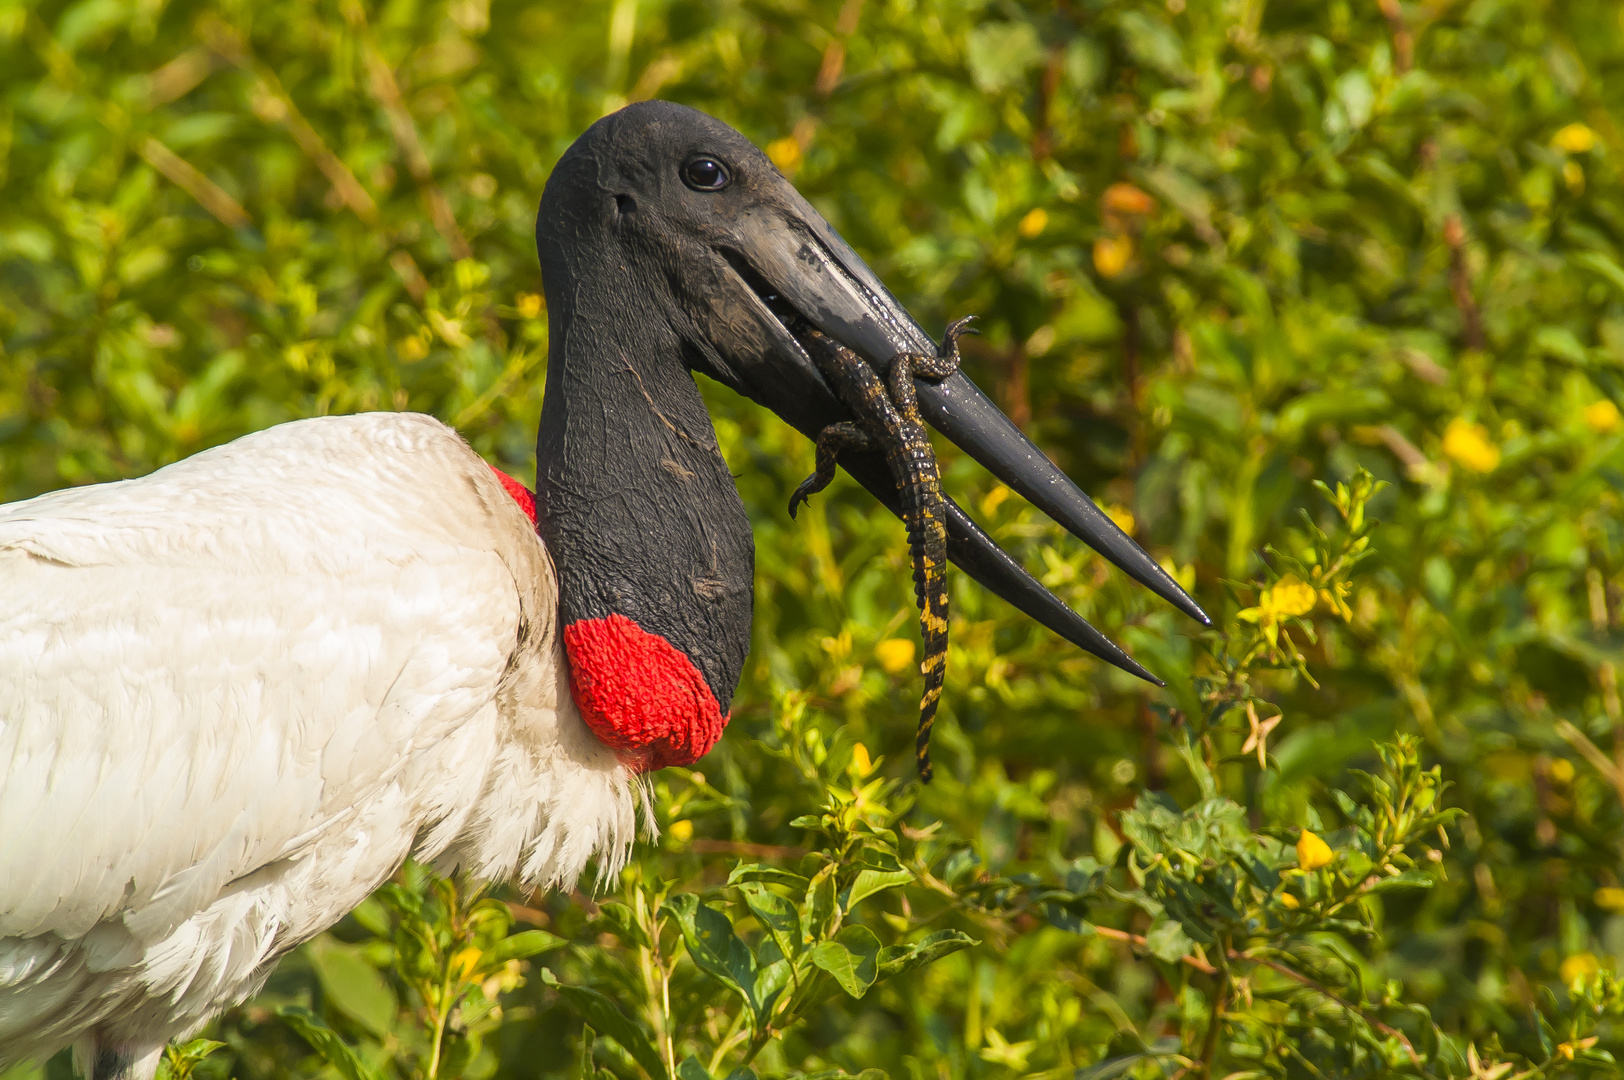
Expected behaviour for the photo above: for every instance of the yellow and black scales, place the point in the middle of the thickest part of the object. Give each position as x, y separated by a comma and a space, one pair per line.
888, 419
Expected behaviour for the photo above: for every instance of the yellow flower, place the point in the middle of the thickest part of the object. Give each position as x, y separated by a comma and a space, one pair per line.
1468, 444
1609, 897
860, 765
1603, 417
1112, 254
682, 831
529, 304
995, 498
1312, 852
785, 153
1288, 598
1122, 516
1289, 901
1578, 966
1575, 139
1035, 221
465, 961
1291, 597
894, 654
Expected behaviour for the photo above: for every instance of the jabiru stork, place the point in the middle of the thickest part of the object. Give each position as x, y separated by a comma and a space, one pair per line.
236, 693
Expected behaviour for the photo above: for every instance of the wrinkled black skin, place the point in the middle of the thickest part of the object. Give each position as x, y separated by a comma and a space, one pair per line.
633, 497
648, 281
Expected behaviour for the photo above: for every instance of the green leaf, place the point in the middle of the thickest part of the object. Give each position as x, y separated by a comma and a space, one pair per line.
819, 910
326, 1043
354, 987
1167, 941
769, 875
622, 922
606, 1016
1000, 53
522, 945
177, 1062
775, 913
869, 882
852, 958
690, 1069
900, 959
713, 946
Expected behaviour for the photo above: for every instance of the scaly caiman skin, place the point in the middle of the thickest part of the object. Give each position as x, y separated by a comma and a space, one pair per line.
888, 418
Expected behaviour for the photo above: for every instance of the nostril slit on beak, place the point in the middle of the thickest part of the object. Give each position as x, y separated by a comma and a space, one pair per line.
625, 204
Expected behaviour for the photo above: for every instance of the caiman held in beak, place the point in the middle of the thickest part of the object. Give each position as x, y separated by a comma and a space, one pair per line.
671, 243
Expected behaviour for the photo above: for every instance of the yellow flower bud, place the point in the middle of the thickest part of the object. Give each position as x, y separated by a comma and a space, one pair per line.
682, 831
1312, 852
1035, 221
1468, 444
1603, 417
1577, 967
894, 654
861, 765
1610, 898
1575, 139
1112, 255
785, 153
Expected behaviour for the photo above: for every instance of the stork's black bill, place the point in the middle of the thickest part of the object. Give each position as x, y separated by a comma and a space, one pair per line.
669, 244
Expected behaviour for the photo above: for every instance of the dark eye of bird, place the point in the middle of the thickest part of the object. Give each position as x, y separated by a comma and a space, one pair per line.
705, 174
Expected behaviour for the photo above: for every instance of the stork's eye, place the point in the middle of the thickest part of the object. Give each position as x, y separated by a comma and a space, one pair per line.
705, 174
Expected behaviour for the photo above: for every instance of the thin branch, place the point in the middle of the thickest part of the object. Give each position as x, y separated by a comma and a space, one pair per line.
1403, 38
738, 847
1460, 283
386, 91
1319, 988
834, 56
183, 175
1138, 941
272, 103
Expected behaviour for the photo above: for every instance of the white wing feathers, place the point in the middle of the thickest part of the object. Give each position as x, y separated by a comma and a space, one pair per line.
235, 693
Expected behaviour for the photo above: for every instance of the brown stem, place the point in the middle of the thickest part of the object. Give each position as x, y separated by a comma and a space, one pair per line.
386, 91
273, 103
1460, 283
1154, 778
183, 175
834, 56
1209, 1045
1017, 387
739, 847
1403, 39
1043, 139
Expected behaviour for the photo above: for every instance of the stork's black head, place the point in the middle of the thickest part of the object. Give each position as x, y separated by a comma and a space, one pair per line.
670, 244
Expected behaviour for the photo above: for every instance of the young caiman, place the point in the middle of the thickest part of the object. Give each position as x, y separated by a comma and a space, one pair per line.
888, 420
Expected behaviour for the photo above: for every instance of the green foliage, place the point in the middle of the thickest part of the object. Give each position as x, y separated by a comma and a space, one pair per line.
1256, 274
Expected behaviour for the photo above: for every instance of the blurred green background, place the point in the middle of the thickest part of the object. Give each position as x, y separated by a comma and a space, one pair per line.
1220, 249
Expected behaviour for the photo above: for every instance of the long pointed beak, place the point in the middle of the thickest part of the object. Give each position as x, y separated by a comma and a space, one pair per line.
797, 266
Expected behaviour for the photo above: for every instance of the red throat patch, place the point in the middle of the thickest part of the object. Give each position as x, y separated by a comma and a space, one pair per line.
640, 694
521, 494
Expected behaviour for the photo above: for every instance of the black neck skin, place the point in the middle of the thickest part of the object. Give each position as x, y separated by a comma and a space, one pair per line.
633, 497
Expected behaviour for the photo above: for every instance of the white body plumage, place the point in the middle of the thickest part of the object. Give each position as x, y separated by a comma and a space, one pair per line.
235, 694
